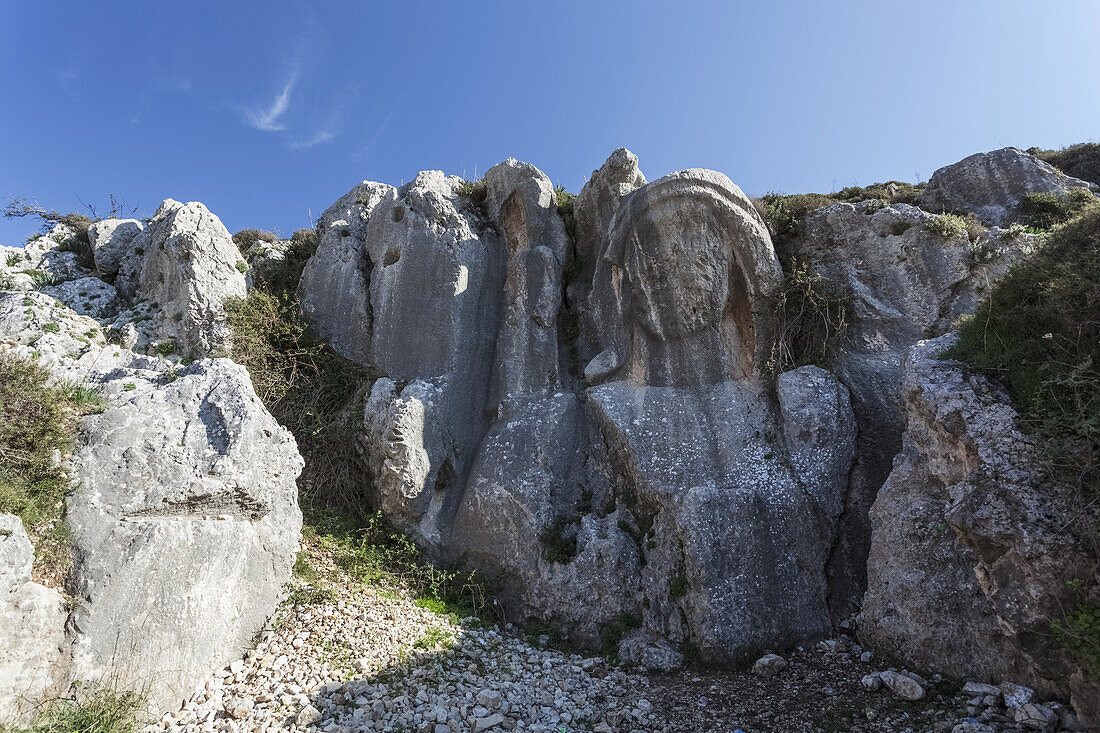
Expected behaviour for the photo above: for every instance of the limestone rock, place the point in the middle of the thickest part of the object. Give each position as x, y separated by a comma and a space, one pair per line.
971, 546
993, 184
185, 526
594, 208
187, 267
87, 296
112, 241
681, 281
902, 685
769, 665
903, 283
32, 629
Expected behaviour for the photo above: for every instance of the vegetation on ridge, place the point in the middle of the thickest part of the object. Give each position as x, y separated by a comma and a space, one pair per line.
92, 710
37, 423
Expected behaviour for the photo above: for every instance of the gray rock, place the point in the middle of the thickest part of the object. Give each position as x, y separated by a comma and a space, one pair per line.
980, 688
902, 685
967, 511
112, 241
993, 184
1016, 696
308, 715
819, 432
188, 267
769, 665
872, 682
1035, 717
594, 208
185, 526
904, 283
32, 629
972, 726
87, 296
489, 721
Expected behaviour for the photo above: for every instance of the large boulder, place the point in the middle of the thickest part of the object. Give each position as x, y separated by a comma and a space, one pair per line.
903, 282
972, 545
186, 264
993, 184
32, 629
185, 526
112, 241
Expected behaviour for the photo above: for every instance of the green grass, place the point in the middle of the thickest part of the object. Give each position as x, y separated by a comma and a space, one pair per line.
242, 266
370, 551
166, 348
811, 317
947, 225
475, 193
36, 419
434, 638
1080, 161
1038, 333
1047, 210
92, 711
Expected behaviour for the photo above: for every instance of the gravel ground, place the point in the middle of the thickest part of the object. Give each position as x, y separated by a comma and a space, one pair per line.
371, 659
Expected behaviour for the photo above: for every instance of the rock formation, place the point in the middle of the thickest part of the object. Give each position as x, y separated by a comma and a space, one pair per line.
611, 480
591, 421
971, 552
183, 515
993, 184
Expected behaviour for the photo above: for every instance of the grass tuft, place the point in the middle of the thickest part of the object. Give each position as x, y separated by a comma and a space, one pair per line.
97, 710
36, 419
811, 317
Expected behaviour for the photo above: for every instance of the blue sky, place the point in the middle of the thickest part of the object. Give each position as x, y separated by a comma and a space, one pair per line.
266, 111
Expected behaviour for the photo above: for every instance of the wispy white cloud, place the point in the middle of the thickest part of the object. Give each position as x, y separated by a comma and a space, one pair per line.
269, 118
324, 135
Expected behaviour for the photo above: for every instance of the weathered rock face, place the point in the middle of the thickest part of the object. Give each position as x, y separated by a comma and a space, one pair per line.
993, 184
972, 546
904, 283
594, 504
32, 623
185, 526
183, 514
112, 242
186, 263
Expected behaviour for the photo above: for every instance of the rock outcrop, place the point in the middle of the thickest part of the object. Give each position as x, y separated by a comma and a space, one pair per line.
183, 266
993, 184
655, 476
183, 512
32, 622
903, 282
972, 545
185, 525
112, 242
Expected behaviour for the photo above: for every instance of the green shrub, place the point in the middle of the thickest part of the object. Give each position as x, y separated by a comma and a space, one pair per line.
36, 419
612, 633
1039, 334
245, 238
166, 348
1046, 210
565, 201
811, 317
947, 225
891, 192
242, 266
97, 710
1079, 632
371, 551
784, 214
475, 193
1080, 161
559, 539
